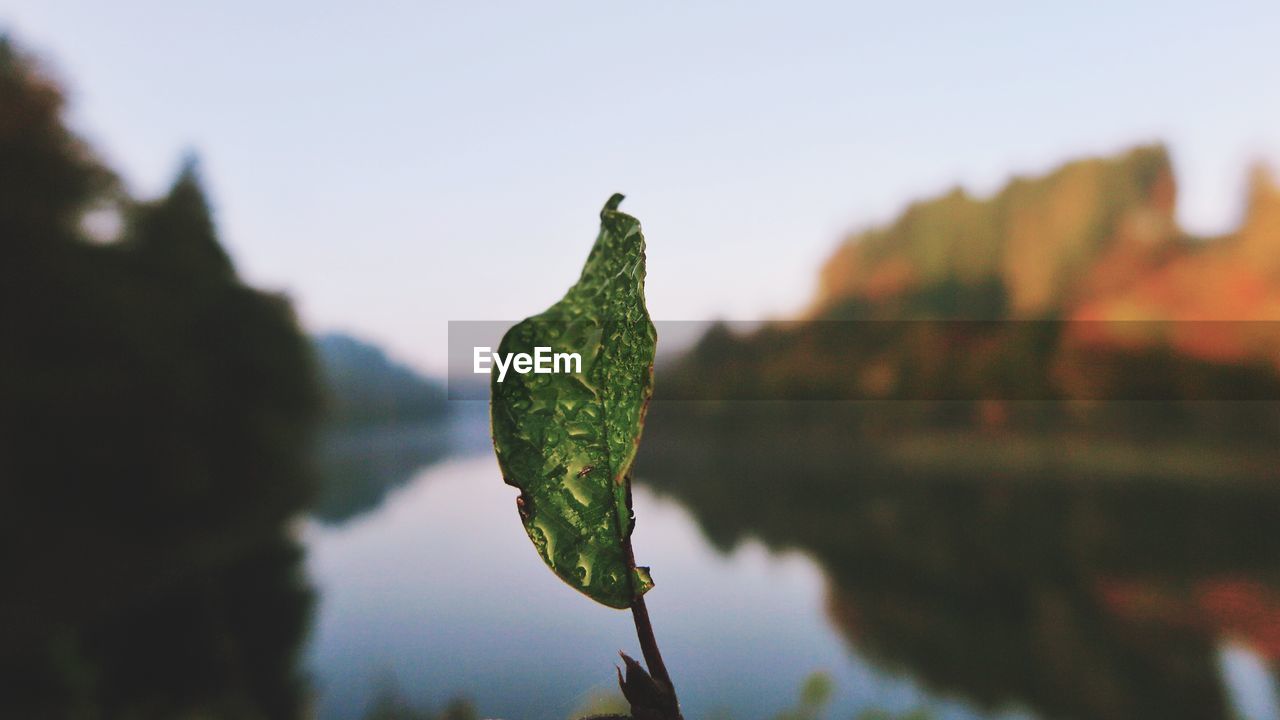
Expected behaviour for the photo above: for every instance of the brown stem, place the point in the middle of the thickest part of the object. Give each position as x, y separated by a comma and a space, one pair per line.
644, 628
649, 644
644, 632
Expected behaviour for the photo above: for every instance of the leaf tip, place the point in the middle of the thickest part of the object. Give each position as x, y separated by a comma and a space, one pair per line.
612, 204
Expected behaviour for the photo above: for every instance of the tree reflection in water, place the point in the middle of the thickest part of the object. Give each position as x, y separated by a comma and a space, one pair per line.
1100, 595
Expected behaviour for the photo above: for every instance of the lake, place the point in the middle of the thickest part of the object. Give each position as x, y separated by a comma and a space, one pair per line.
435, 588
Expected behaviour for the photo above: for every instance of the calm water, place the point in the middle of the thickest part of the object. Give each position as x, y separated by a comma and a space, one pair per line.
438, 587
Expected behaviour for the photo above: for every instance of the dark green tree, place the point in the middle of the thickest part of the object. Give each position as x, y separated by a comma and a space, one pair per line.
155, 420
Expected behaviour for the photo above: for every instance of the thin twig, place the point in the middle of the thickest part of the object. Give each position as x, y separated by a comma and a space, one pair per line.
649, 644
644, 630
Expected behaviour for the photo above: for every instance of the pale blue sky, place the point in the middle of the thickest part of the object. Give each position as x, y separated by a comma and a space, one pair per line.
394, 166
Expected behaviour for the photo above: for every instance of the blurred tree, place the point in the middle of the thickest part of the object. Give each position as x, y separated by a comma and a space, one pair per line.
175, 237
47, 175
155, 420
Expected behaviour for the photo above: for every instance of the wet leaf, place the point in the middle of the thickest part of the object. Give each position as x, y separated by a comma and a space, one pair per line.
567, 440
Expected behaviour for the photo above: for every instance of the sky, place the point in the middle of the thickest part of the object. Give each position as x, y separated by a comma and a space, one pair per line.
393, 166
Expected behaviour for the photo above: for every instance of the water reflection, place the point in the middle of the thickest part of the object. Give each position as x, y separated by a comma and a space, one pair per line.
360, 465
438, 589
1103, 595
933, 584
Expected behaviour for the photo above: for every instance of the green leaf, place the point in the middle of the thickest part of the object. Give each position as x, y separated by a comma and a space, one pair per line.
567, 440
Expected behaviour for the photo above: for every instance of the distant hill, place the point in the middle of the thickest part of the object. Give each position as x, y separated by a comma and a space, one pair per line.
1028, 251
364, 387
1094, 240
1077, 285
